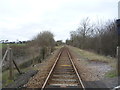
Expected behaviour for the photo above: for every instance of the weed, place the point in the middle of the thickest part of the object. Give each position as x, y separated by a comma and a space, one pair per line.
111, 74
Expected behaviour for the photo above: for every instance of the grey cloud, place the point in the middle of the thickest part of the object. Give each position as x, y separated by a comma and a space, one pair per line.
60, 21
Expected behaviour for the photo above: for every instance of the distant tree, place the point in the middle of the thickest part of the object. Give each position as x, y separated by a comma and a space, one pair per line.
74, 38
59, 42
24, 41
68, 42
6, 41
79, 37
84, 31
45, 40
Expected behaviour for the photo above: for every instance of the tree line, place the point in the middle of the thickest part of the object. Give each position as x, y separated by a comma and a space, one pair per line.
100, 38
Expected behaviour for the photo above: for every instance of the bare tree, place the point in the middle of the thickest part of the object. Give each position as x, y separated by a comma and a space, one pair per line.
84, 31
101, 38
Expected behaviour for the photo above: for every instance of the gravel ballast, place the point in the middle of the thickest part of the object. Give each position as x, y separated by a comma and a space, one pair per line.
93, 72
43, 70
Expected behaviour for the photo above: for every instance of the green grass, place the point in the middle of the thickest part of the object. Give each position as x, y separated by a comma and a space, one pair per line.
57, 47
5, 75
18, 49
5, 45
5, 78
24, 67
111, 74
95, 57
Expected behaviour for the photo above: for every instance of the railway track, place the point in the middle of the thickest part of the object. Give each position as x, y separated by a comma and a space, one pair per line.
63, 73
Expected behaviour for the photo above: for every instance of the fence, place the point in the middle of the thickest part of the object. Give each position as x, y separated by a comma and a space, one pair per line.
9, 56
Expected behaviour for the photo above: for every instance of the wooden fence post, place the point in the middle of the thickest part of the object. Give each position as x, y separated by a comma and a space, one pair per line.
33, 61
13, 62
10, 63
17, 67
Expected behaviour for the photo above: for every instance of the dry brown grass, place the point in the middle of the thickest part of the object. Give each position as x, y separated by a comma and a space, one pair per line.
95, 57
86, 63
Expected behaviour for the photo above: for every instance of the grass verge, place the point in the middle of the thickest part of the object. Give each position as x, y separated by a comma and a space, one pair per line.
95, 57
87, 55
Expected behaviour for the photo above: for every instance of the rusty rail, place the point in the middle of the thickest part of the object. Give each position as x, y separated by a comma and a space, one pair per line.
80, 80
51, 70
72, 63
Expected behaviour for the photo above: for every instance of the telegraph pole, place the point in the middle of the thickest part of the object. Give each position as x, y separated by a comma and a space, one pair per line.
118, 49
118, 45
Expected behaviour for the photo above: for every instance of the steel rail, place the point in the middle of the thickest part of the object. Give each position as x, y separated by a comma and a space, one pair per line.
69, 56
51, 70
80, 80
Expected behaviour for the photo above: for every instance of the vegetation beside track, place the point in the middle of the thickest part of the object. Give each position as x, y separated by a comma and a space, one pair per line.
18, 49
43, 70
98, 37
91, 56
24, 67
30, 53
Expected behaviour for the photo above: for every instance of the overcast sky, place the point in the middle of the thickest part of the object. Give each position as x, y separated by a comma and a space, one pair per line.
23, 19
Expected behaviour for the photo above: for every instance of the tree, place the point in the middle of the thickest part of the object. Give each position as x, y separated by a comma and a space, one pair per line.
101, 38
45, 40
